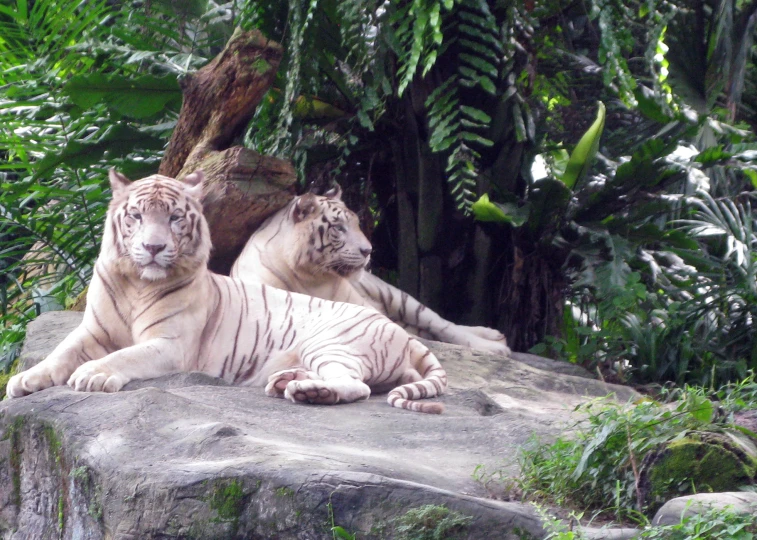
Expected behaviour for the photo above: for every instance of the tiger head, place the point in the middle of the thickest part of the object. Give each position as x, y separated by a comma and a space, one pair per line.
328, 235
155, 228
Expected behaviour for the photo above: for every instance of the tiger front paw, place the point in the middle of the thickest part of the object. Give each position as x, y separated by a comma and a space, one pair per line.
277, 383
30, 381
96, 377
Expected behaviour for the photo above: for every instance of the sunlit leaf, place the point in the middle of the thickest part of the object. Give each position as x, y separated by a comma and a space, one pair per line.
485, 210
585, 151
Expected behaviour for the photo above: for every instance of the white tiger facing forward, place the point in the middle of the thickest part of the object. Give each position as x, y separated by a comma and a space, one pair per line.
153, 308
315, 246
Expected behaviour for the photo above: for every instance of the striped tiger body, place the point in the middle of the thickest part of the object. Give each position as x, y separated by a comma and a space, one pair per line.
153, 308
315, 246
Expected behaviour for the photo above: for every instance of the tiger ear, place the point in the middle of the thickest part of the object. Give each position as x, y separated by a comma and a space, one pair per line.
193, 183
118, 182
334, 192
303, 207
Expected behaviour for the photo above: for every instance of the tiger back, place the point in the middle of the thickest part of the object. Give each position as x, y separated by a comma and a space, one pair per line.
315, 246
153, 308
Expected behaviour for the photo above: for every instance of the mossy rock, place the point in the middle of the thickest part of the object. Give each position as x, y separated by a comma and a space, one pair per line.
701, 462
5, 377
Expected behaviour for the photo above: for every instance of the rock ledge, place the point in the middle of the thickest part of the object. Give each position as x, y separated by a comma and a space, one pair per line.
187, 456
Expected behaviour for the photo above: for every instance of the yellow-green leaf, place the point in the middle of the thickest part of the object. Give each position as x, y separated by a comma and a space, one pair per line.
585, 151
485, 210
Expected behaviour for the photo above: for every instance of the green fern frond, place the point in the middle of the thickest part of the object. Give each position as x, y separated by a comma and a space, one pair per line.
280, 143
355, 19
419, 38
459, 128
453, 128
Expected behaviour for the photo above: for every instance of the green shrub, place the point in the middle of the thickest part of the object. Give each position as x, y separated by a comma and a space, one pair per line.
713, 524
599, 467
430, 522
718, 523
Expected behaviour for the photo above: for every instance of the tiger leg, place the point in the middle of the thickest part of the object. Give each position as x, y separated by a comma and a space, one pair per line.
79, 347
277, 383
418, 319
337, 385
147, 360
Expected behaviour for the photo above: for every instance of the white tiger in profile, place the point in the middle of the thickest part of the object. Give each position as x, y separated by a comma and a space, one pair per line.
315, 246
153, 308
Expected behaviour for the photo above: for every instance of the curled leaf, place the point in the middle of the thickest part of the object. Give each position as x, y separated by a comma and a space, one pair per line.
585, 151
485, 210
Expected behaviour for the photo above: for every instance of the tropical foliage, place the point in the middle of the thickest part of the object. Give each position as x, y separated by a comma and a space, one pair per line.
601, 469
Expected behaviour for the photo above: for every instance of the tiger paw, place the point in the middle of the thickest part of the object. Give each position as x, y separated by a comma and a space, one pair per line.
96, 377
29, 381
492, 346
277, 383
309, 391
489, 334
481, 338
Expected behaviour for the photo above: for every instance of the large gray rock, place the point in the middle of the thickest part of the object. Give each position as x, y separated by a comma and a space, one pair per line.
675, 510
187, 456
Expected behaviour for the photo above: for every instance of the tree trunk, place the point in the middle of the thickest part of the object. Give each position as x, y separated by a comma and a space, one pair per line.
220, 99
242, 188
532, 294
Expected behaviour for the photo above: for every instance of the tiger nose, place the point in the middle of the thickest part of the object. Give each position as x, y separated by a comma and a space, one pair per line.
154, 249
366, 251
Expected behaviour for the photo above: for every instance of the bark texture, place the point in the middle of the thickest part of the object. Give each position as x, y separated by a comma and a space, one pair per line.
220, 99
242, 188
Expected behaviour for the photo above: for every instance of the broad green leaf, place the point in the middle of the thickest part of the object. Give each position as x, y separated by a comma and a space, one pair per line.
340, 532
752, 175
480, 49
712, 156
118, 141
560, 161
702, 410
476, 114
649, 107
476, 78
23, 12
472, 137
364, 120
585, 151
136, 97
480, 64
680, 240
485, 210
